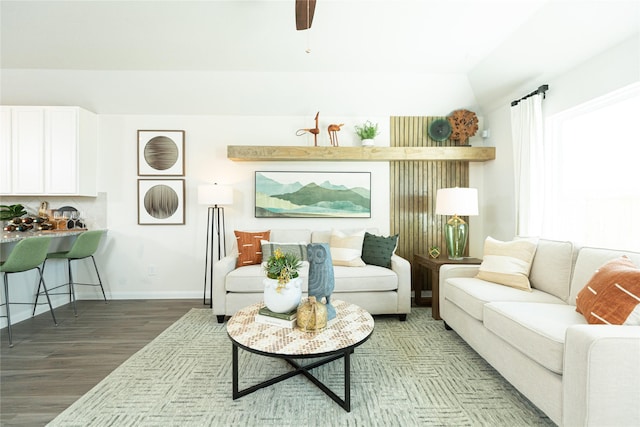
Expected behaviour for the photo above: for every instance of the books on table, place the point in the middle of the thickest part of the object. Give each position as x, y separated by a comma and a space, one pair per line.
287, 316
291, 324
284, 320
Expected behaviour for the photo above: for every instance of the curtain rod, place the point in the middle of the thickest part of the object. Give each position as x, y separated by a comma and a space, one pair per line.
542, 89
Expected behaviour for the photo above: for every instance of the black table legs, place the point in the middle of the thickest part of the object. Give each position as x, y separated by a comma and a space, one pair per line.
304, 370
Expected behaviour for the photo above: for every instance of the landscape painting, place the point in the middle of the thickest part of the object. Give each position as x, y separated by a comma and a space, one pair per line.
313, 195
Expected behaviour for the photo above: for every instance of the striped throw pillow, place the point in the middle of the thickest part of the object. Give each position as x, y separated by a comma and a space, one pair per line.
507, 263
346, 249
297, 249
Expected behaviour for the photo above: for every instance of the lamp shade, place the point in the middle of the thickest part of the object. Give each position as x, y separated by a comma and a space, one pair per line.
215, 194
457, 201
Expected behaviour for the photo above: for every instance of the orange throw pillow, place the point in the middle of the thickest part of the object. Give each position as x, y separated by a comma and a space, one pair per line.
612, 294
249, 246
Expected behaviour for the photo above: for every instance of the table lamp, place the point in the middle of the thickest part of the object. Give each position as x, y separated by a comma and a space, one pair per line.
457, 202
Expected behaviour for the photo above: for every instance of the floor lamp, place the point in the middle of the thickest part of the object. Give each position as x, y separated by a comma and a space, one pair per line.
457, 202
214, 195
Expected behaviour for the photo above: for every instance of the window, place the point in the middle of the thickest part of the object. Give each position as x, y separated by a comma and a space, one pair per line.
593, 176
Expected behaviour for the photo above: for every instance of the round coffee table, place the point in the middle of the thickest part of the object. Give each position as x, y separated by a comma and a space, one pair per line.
351, 327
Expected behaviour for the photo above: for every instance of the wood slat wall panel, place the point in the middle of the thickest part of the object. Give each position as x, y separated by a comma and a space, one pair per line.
414, 185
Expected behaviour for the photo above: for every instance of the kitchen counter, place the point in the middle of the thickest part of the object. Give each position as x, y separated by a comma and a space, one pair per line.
62, 239
14, 236
24, 285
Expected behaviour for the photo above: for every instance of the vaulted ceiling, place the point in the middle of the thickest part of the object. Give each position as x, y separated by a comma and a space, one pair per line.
498, 44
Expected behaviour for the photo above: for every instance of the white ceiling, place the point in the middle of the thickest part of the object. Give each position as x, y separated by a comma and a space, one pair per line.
497, 44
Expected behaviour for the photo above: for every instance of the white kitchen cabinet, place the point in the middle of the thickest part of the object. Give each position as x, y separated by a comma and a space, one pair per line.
48, 151
5, 151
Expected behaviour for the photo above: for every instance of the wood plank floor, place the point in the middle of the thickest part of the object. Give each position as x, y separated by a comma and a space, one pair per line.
50, 367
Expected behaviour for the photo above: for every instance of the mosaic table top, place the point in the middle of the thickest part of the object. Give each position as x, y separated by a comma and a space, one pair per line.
351, 326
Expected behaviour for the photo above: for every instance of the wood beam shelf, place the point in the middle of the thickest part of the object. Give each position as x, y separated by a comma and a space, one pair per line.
266, 153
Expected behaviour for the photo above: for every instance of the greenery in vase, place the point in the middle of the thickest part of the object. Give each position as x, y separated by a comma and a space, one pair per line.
282, 266
368, 130
8, 212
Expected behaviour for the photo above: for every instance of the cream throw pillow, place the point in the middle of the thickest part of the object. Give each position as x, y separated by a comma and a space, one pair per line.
347, 249
507, 263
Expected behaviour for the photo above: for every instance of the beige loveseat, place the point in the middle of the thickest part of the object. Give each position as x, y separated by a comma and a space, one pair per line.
579, 374
378, 290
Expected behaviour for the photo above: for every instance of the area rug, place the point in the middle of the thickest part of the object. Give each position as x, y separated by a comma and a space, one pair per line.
412, 373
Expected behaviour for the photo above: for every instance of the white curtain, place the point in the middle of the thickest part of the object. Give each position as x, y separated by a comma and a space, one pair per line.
528, 155
592, 194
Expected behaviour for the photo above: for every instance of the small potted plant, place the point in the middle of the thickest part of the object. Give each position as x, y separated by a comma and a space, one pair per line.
367, 132
282, 287
282, 266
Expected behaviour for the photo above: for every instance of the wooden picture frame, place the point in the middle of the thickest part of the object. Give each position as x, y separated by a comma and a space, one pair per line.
161, 152
161, 201
312, 194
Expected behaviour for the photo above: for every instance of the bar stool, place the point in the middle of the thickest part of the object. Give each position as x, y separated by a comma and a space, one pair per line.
85, 246
27, 255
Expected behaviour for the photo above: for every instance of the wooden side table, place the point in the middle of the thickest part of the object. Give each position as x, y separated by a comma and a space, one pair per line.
423, 261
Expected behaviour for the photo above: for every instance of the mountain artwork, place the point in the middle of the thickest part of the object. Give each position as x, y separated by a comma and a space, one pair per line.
313, 194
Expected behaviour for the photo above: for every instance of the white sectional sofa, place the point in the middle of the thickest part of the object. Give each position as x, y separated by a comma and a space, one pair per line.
378, 290
579, 374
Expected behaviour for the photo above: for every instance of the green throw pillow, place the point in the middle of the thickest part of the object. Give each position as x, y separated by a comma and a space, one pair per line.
377, 250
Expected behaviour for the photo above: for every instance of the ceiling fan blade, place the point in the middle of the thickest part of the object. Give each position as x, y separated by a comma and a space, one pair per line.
304, 13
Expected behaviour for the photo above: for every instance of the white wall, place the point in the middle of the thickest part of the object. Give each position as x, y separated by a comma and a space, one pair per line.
176, 253
611, 70
268, 113
241, 93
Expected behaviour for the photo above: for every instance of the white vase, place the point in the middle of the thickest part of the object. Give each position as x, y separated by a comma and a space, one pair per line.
368, 142
285, 299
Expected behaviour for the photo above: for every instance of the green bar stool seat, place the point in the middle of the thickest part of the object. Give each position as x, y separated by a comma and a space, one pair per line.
85, 246
27, 255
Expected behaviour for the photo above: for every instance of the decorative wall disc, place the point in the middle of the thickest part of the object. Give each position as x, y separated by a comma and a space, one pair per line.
464, 124
439, 129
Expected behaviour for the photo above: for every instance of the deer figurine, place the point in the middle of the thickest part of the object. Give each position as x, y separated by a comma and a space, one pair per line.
314, 131
333, 136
